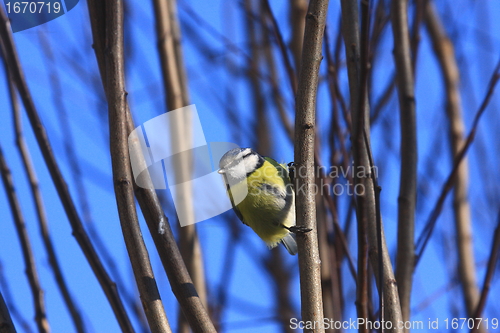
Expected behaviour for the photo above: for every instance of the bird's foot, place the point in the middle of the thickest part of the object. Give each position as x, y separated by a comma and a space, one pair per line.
297, 229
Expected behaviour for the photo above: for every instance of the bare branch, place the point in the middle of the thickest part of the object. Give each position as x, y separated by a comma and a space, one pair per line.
298, 10
40, 207
122, 173
281, 43
309, 261
408, 176
423, 239
446, 56
165, 243
29, 259
178, 276
81, 236
488, 277
176, 95
357, 52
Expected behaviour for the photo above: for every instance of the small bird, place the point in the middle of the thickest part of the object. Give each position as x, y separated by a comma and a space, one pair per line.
269, 206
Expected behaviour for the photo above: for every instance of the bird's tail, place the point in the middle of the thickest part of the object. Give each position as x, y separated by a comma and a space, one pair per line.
290, 244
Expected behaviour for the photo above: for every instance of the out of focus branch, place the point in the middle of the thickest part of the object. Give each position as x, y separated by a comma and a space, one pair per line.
488, 277
6, 324
357, 66
281, 43
40, 209
298, 10
178, 276
305, 119
176, 96
408, 176
22, 322
281, 278
81, 236
419, 14
445, 54
424, 237
29, 258
277, 94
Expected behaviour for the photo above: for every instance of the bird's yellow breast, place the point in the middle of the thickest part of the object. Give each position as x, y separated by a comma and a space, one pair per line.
269, 203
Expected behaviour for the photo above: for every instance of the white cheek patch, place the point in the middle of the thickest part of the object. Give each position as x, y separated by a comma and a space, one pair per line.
238, 171
250, 162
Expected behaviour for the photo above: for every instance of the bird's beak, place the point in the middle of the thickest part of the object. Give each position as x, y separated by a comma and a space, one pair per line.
221, 171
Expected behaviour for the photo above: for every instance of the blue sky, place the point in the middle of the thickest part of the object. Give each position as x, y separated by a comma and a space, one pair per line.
214, 91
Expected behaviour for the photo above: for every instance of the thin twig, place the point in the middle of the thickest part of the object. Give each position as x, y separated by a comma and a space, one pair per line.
281, 278
424, 237
309, 262
29, 259
419, 14
281, 43
488, 277
40, 207
22, 323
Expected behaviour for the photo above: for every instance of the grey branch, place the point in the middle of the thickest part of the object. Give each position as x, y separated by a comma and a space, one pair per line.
29, 258
443, 48
366, 210
79, 232
122, 173
305, 124
408, 176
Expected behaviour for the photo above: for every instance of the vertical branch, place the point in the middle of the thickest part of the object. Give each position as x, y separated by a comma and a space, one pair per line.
81, 236
178, 276
298, 10
309, 262
366, 198
257, 49
29, 259
276, 94
6, 324
176, 95
449, 70
173, 264
282, 47
122, 173
430, 224
281, 278
40, 207
408, 176
260, 53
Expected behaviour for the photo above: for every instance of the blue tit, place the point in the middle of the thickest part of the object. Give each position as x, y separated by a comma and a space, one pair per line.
269, 205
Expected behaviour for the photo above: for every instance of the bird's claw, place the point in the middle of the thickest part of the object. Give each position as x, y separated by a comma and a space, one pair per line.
298, 229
